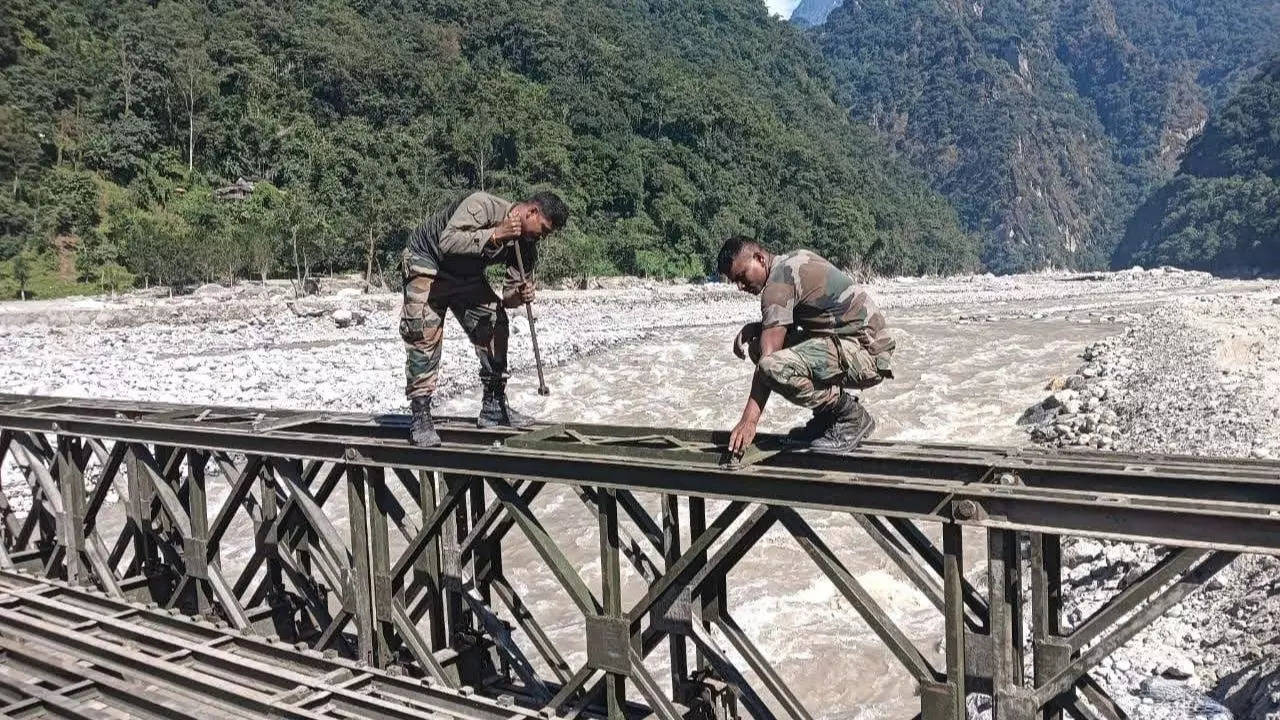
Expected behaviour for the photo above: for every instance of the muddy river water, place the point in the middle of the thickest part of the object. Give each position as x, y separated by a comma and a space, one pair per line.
955, 382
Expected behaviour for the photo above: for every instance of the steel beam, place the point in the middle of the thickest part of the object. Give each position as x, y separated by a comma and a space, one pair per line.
331, 582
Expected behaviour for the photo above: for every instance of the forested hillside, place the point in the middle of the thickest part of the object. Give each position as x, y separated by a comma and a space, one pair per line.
1221, 212
1044, 123
665, 124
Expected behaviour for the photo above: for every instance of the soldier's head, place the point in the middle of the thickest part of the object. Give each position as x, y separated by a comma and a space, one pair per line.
743, 262
542, 214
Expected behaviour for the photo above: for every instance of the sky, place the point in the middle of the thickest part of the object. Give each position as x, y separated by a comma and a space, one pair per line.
781, 8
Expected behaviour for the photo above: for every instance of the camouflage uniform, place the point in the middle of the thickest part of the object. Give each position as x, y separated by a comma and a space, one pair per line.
443, 270
836, 335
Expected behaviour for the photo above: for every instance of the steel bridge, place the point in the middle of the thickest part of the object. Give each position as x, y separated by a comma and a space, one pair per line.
372, 579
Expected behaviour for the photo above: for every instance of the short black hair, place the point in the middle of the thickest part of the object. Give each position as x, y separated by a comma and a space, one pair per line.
730, 250
551, 207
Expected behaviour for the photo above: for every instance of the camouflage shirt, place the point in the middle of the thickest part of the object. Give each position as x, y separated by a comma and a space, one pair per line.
458, 241
806, 291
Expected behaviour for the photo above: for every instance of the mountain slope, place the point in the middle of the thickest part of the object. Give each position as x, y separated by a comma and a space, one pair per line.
666, 124
978, 101
1044, 123
1221, 212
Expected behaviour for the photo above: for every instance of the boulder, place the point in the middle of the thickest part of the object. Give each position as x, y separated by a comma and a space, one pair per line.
304, 308
1084, 550
1178, 668
1162, 689
346, 317
1060, 398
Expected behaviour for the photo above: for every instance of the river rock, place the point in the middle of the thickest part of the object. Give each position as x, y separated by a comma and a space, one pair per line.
1179, 668
346, 317
305, 308
1162, 690
1084, 550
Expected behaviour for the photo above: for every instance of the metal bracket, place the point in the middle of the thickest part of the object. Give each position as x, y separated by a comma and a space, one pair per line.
1016, 704
609, 644
937, 701
674, 616
978, 657
708, 697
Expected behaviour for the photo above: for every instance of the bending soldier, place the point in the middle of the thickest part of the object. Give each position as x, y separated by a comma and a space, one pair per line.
819, 333
443, 270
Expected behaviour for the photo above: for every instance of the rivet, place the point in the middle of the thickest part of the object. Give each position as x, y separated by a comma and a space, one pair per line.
966, 510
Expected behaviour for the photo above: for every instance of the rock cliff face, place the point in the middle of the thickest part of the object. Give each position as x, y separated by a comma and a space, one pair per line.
813, 12
1221, 212
1044, 123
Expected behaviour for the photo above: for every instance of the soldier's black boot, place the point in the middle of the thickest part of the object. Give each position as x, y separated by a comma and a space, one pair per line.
812, 429
422, 430
494, 409
851, 424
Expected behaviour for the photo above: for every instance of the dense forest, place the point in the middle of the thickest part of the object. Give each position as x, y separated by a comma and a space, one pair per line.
1044, 123
1221, 212
665, 124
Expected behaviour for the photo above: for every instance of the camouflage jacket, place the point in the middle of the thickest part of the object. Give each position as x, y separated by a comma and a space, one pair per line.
457, 241
805, 291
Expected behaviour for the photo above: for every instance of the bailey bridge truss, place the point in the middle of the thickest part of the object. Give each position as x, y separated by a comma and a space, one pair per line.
260, 563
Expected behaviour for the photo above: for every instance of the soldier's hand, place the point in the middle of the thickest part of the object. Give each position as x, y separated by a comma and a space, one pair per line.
509, 229
741, 436
525, 289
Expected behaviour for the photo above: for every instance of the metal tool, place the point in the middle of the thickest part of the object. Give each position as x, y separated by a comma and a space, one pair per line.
533, 333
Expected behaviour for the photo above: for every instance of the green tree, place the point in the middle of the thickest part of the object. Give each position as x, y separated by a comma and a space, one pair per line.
192, 74
113, 278
260, 229
22, 267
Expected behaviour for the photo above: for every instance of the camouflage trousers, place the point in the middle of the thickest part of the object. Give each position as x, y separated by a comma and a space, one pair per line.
427, 298
810, 370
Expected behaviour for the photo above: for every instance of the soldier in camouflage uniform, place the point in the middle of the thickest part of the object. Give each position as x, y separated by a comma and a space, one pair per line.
819, 333
444, 263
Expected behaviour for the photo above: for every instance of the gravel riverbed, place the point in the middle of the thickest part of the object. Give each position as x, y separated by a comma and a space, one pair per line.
1197, 376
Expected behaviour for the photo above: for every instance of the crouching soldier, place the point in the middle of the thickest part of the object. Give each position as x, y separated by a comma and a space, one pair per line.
819, 333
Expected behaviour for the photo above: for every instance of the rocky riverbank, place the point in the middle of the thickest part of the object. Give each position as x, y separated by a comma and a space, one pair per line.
1198, 376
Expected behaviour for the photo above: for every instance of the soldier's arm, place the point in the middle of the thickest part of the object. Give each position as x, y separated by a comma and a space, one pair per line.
744, 432
470, 229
